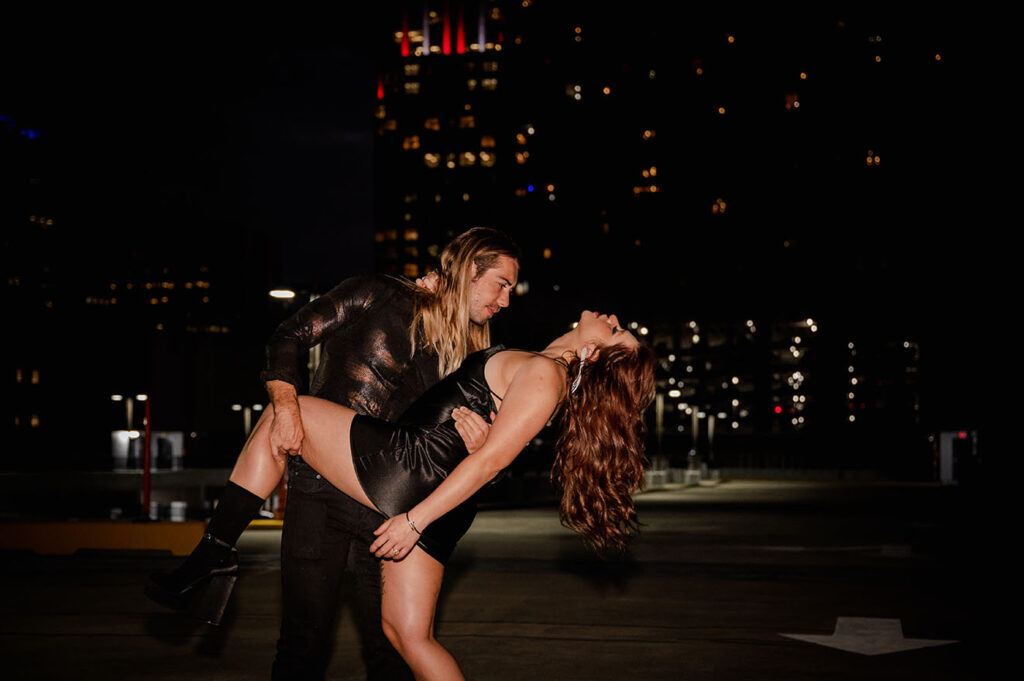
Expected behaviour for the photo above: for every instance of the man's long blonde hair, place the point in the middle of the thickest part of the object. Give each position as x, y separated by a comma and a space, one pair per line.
441, 321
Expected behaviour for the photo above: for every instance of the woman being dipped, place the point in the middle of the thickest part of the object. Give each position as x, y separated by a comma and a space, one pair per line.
419, 473
598, 465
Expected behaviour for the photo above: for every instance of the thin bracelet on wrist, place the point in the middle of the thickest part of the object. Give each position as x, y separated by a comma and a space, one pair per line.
411, 523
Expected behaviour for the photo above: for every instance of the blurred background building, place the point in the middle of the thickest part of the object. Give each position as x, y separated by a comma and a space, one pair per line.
771, 198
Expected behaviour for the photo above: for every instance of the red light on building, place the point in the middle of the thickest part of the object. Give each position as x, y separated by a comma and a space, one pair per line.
962, 435
460, 34
778, 410
405, 34
446, 34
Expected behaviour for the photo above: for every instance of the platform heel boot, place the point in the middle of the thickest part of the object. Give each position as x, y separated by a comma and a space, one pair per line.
202, 585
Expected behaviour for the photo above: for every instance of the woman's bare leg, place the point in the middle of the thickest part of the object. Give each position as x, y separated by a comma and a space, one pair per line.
256, 469
409, 591
326, 446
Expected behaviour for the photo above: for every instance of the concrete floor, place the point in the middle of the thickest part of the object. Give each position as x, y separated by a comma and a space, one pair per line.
717, 577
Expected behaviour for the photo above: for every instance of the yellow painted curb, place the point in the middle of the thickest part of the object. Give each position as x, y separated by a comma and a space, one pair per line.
63, 538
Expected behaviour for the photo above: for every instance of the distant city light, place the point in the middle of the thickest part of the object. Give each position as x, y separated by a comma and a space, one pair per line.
282, 293
236, 407
117, 398
142, 397
674, 393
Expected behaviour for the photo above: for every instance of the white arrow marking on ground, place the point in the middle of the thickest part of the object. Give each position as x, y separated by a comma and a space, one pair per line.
869, 636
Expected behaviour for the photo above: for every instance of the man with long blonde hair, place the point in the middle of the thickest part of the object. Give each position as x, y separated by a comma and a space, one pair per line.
384, 343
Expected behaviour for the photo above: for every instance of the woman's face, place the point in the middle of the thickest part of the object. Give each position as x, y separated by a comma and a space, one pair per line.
604, 330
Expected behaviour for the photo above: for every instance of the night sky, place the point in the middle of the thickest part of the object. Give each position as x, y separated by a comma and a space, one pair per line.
201, 135
194, 132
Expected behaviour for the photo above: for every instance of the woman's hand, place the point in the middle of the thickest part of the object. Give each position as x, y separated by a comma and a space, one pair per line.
395, 539
472, 427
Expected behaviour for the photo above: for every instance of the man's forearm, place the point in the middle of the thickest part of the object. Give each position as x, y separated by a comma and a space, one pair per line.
282, 395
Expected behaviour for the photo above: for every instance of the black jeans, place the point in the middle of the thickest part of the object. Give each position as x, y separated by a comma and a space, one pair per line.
326, 534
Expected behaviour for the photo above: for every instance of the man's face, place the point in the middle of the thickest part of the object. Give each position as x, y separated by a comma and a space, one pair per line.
489, 292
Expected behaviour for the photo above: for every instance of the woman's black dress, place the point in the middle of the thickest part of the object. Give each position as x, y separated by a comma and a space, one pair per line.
399, 465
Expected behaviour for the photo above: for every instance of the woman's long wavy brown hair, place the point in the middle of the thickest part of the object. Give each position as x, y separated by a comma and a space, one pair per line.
599, 459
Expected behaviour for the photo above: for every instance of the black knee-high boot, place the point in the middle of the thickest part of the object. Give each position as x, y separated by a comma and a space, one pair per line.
203, 583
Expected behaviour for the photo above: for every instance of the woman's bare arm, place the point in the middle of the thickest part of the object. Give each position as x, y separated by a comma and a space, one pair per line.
531, 398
